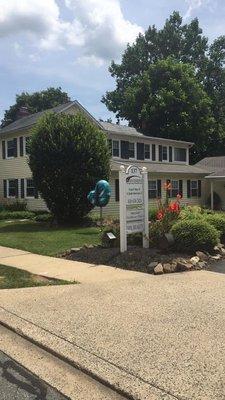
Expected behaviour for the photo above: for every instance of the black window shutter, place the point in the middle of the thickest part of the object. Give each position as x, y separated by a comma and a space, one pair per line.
35, 193
199, 188
21, 146
159, 188
22, 188
140, 151
5, 188
189, 188
15, 147
17, 188
168, 181
117, 193
160, 153
153, 152
181, 187
170, 154
124, 149
3, 149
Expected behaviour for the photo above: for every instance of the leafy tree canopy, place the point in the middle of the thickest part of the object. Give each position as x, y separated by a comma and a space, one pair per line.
37, 101
68, 155
174, 43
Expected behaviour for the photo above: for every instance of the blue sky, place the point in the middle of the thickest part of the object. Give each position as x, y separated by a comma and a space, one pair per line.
70, 43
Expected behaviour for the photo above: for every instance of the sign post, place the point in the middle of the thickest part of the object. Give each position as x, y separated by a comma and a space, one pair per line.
133, 189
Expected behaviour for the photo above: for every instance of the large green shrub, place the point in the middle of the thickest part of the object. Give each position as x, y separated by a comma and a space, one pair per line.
192, 235
17, 205
218, 221
68, 155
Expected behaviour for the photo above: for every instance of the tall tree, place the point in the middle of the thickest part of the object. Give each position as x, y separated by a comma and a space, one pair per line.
37, 101
183, 43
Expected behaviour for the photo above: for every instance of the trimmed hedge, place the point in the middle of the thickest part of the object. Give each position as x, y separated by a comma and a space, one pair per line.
191, 235
218, 222
47, 217
16, 215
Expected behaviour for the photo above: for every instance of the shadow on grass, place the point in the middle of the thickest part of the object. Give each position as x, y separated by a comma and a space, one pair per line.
37, 227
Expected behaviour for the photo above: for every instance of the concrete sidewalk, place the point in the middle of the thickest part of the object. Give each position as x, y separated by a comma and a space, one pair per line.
60, 268
149, 337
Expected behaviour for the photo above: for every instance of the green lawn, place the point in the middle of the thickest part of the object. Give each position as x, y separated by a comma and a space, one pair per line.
41, 239
12, 278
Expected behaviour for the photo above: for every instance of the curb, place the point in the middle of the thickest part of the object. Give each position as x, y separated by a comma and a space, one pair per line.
103, 371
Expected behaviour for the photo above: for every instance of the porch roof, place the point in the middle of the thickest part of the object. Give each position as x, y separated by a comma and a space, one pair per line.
161, 168
219, 174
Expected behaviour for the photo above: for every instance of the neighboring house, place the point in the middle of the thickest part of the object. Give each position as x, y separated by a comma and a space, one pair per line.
214, 182
166, 161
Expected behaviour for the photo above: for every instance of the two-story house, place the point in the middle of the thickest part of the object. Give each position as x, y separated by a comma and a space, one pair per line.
166, 161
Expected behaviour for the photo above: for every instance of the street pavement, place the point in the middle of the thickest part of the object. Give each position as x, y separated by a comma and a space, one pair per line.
17, 383
152, 337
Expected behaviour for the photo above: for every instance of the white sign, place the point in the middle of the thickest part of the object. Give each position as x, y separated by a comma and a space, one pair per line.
133, 204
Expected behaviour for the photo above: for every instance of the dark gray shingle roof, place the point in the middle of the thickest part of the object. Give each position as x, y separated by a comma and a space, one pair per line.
164, 168
30, 120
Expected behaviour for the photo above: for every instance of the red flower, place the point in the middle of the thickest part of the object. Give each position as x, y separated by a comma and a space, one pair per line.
159, 215
174, 207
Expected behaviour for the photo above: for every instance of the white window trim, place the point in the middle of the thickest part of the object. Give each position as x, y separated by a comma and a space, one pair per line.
119, 156
180, 162
151, 190
6, 150
147, 159
135, 151
25, 189
24, 145
7, 188
193, 180
167, 147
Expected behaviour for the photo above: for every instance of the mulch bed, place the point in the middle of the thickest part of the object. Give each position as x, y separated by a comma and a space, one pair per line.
136, 258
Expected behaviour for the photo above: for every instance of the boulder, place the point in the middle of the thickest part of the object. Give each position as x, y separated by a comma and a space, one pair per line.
75, 249
202, 256
217, 257
158, 270
194, 260
184, 266
201, 265
153, 264
169, 268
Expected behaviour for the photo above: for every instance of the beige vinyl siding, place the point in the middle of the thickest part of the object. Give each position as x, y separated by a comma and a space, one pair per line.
113, 207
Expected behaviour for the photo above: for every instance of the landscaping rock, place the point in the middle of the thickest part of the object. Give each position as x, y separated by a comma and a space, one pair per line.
75, 249
158, 270
202, 256
184, 266
169, 268
153, 264
195, 260
201, 264
217, 257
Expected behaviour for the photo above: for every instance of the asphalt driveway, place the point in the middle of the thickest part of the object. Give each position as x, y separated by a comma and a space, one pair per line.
154, 337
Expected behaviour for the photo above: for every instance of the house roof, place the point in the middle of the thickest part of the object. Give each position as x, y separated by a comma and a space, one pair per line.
163, 168
130, 131
31, 119
215, 166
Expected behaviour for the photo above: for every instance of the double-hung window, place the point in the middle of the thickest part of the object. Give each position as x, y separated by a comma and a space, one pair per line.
115, 148
194, 188
27, 141
131, 150
11, 188
30, 189
180, 154
174, 188
152, 189
10, 148
147, 151
164, 153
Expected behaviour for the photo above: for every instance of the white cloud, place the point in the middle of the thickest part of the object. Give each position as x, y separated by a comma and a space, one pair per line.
194, 5
97, 27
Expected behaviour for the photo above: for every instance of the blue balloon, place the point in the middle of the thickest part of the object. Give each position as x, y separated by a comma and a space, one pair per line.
101, 195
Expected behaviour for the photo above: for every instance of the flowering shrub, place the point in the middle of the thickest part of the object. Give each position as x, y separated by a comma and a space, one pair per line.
169, 211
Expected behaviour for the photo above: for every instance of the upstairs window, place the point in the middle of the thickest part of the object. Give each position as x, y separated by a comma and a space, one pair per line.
164, 153
147, 151
10, 150
131, 150
180, 154
115, 148
27, 142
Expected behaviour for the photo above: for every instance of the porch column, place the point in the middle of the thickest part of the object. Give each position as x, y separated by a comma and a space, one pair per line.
212, 202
